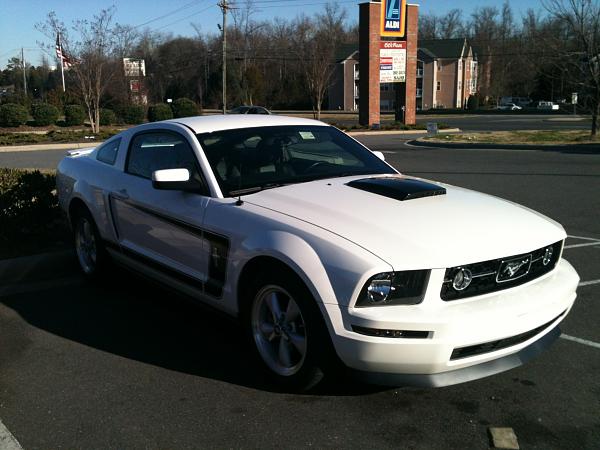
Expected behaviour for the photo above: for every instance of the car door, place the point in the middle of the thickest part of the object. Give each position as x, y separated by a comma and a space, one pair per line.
162, 228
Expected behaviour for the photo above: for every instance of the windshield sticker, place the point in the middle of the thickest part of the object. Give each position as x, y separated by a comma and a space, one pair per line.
307, 135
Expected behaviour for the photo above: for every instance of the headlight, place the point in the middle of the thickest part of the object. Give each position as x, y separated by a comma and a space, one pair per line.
394, 288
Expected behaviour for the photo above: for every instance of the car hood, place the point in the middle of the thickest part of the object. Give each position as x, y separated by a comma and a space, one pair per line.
435, 231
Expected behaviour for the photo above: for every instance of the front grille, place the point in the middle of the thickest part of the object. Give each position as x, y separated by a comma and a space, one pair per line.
487, 347
491, 276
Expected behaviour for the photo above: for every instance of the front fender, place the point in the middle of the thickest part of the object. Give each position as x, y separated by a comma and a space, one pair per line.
332, 268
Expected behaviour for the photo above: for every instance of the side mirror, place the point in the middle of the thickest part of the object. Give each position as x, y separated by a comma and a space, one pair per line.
380, 155
174, 180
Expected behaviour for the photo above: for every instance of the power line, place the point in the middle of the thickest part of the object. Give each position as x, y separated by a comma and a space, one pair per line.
187, 5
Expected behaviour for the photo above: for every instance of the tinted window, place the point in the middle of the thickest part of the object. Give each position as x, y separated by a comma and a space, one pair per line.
107, 153
156, 151
261, 157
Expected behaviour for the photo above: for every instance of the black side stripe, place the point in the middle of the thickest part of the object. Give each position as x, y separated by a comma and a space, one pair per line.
218, 254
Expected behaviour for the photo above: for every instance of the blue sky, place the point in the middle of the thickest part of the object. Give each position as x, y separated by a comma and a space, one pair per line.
18, 17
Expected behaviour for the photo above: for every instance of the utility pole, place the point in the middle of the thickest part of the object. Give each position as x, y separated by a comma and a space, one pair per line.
24, 71
224, 7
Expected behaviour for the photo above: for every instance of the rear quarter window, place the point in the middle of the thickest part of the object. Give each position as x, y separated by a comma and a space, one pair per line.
107, 153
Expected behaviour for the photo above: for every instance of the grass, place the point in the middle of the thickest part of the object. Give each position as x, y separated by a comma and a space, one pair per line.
552, 137
54, 136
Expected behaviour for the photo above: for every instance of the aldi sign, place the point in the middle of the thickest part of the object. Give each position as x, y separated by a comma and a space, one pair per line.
393, 18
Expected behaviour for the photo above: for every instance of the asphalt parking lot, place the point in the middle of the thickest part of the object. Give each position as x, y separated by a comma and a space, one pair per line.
125, 364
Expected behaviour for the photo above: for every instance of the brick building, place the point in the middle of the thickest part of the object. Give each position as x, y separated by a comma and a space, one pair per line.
446, 77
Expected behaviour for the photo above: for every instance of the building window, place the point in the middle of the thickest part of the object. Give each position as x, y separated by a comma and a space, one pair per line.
460, 64
439, 85
439, 65
459, 85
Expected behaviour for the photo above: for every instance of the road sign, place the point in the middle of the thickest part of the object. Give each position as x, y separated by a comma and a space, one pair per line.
574, 98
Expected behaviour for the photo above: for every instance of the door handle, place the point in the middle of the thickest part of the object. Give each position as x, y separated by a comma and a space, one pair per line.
121, 194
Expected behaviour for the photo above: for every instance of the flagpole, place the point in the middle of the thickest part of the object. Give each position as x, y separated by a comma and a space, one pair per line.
62, 69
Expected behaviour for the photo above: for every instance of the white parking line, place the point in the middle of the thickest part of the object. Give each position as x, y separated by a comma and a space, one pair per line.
7, 440
580, 341
584, 238
587, 244
588, 283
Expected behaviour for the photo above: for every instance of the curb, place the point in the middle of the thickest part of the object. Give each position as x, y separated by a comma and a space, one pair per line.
43, 266
37, 147
400, 132
588, 148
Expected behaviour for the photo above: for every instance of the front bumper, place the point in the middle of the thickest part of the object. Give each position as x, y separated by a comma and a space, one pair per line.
502, 315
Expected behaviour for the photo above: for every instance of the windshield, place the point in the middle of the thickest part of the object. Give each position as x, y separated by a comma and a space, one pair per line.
251, 159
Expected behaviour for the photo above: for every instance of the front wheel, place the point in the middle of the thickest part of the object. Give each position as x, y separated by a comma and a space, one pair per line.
91, 254
287, 332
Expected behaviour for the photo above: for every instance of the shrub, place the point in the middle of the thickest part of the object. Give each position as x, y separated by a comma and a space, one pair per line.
107, 117
160, 111
473, 103
44, 114
132, 114
74, 115
184, 107
12, 115
28, 203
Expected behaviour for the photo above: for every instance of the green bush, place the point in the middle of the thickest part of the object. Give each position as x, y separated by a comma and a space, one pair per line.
473, 103
160, 111
107, 117
184, 107
74, 115
12, 115
28, 203
44, 114
132, 114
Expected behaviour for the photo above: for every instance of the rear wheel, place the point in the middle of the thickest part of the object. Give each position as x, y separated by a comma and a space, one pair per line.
91, 254
287, 331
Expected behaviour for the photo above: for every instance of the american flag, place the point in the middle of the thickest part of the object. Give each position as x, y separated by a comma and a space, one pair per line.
60, 54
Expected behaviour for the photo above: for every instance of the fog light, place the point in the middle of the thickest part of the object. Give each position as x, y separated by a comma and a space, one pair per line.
547, 255
462, 279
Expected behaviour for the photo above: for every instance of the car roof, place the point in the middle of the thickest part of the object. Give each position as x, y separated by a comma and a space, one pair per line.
208, 124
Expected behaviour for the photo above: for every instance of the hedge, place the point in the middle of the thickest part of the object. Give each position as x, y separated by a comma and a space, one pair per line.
13, 115
160, 111
74, 115
132, 114
184, 107
107, 117
44, 114
28, 204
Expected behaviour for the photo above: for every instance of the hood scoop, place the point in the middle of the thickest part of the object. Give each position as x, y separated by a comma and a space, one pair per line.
398, 188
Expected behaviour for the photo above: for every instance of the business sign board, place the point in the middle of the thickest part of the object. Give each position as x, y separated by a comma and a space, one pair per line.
392, 62
134, 67
393, 18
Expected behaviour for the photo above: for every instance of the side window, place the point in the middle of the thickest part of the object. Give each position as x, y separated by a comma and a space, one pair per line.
107, 153
160, 150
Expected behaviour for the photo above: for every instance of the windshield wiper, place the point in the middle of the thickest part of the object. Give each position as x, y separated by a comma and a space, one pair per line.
253, 189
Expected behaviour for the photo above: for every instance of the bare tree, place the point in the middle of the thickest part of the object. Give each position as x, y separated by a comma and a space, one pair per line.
93, 52
579, 48
451, 25
315, 42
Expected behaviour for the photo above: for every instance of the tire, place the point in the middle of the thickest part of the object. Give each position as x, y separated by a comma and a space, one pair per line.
286, 331
91, 254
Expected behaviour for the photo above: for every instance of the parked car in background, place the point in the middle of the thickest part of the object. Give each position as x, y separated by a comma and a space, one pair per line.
509, 107
327, 255
250, 110
548, 106
519, 101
